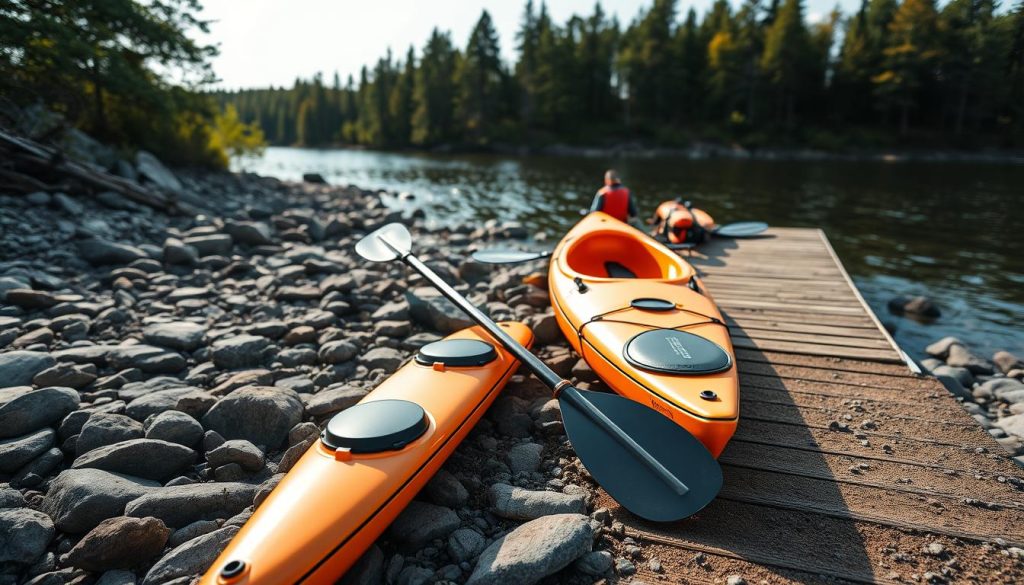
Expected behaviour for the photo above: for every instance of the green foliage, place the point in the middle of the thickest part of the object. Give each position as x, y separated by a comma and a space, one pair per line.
96, 63
234, 137
759, 75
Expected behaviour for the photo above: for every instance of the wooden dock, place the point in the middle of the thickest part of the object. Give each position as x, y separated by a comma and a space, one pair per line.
846, 467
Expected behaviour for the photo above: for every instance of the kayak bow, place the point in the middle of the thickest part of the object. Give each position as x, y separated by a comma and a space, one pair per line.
369, 463
641, 318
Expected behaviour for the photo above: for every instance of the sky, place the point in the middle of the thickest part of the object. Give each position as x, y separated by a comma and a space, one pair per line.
271, 42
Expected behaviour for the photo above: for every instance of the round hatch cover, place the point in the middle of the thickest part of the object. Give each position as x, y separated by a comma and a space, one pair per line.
676, 352
379, 425
650, 304
457, 352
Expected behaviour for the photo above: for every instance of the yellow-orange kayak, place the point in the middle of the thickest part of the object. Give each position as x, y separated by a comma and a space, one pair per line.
642, 319
368, 464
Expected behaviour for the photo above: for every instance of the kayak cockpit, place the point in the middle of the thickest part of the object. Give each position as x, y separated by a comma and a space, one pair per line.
616, 254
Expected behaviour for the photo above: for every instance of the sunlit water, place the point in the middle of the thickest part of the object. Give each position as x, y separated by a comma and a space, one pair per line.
951, 231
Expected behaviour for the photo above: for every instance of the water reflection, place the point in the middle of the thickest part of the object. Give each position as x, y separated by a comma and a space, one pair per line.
950, 231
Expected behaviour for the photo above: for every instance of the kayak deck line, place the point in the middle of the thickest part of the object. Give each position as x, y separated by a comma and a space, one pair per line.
810, 496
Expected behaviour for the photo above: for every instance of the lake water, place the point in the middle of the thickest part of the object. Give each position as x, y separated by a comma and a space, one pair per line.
950, 231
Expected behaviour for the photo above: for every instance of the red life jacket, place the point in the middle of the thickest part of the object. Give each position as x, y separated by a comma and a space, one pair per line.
616, 201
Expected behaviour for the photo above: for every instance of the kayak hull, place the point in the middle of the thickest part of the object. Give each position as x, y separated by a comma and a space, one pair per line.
332, 505
602, 274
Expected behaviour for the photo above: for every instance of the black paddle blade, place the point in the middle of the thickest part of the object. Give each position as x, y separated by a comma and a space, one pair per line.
741, 229
636, 484
506, 256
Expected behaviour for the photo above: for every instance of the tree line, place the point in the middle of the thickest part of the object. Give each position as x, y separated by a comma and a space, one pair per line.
127, 72
895, 72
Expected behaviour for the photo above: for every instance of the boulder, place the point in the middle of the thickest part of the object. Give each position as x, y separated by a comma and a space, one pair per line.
32, 410
17, 368
79, 499
24, 535
262, 415
534, 550
181, 505
119, 543
145, 458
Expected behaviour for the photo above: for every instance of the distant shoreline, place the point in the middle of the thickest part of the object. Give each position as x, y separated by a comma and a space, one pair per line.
706, 151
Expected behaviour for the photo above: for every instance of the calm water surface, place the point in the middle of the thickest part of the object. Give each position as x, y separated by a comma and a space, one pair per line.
951, 231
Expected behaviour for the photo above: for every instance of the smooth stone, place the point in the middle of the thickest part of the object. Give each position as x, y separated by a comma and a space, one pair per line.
262, 415
465, 544
1013, 425
193, 530
35, 409
182, 505
148, 358
960, 356
104, 429
191, 401
534, 550
17, 368
68, 375
119, 543
242, 452
522, 504
337, 352
24, 535
1007, 362
20, 451
525, 457
445, 489
595, 563
330, 401
174, 427
240, 351
79, 499
940, 349
145, 458
250, 233
40, 468
99, 252
180, 335
384, 358
421, 523
191, 558
211, 245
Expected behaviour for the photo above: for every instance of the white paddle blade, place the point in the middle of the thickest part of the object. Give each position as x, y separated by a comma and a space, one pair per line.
385, 244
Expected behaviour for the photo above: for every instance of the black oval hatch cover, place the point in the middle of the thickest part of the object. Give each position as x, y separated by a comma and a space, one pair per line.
676, 352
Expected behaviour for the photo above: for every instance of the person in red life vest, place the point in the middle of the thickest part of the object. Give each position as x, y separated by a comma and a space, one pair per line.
614, 198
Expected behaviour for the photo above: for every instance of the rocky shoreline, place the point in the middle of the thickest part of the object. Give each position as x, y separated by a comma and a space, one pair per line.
161, 373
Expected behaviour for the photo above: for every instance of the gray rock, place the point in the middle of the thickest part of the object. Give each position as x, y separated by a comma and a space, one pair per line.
174, 427
192, 401
465, 544
119, 543
334, 400
11, 498
368, 570
962, 375
250, 233
525, 457
32, 410
337, 352
1012, 424
239, 451
68, 375
1007, 362
534, 550
182, 505
150, 169
193, 530
41, 467
79, 499
522, 504
262, 415
393, 311
179, 335
421, 523
960, 356
595, 563
414, 576
17, 368
24, 535
176, 252
940, 348
384, 358
191, 558
545, 328
99, 252
446, 490
27, 298
116, 577
104, 429
211, 244
20, 451
145, 458
428, 308
240, 351
148, 358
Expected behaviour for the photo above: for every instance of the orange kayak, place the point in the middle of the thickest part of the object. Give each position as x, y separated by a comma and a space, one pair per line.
642, 319
369, 463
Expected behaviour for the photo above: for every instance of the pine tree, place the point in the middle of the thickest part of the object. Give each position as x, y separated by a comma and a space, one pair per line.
434, 92
400, 105
787, 59
909, 60
481, 82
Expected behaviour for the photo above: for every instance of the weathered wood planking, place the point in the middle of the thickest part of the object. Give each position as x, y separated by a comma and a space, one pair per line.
846, 465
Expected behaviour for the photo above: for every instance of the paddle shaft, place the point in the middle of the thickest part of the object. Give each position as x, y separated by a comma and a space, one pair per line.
564, 390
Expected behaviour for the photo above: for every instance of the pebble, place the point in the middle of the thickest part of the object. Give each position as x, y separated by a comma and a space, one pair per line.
465, 544
174, 427
244, 453
24, 535
179, 335
445, 489
104, 429
420, 523
240, 351
182, 505
118, 543
525, 457
522, 504
333, 400
534, 550
17, 452
595, 563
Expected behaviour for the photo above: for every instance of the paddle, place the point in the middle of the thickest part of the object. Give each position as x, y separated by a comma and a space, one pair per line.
652, 466
740, 229
513, 256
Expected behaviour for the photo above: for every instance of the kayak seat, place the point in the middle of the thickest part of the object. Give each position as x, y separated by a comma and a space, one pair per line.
616, 270
375, 426
671, 351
